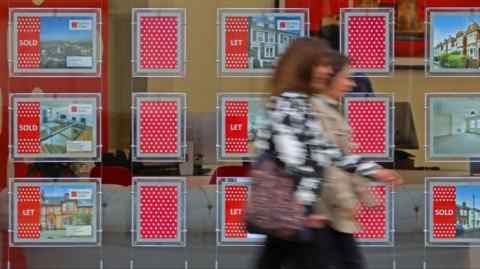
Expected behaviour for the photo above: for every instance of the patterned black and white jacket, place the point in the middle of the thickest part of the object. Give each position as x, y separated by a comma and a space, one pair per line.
292, 134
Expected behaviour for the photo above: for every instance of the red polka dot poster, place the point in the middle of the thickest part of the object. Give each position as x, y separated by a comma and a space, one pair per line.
366, 39
375, 222
370, 121
453, 209
252, 40
159, 126
159, 36
159, 211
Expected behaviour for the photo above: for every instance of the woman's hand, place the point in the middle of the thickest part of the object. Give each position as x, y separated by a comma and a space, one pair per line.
387, 175
316, 221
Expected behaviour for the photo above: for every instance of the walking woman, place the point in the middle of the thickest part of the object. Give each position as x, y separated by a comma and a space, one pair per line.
294, 134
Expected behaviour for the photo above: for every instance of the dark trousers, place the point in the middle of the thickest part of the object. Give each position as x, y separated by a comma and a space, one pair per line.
349, 255
282, 254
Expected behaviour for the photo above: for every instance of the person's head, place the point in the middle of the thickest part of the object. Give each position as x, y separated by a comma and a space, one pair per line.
340, 81
295, 68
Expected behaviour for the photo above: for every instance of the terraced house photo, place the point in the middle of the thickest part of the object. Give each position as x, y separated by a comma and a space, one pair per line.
454, 41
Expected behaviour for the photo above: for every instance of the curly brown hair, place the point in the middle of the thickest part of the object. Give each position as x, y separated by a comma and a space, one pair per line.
294, 68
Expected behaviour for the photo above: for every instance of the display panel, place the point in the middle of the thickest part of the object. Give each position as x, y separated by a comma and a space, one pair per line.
233, 193
54, 127
366, 37
159, 127
55, 212
159, 208
452, 44
376, 222
452, 215
251, 40
54, 42
371, 121
452, 131
239, 116
159, 42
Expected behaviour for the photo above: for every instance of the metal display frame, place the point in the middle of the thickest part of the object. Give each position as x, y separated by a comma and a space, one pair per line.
222, 240
94, 71
180, 14
431, 13
430, 156
389, 240
430, 183
14, 183
223, 13
94, 156
222, 97
389, 100
389, 14
180, 99
180, 184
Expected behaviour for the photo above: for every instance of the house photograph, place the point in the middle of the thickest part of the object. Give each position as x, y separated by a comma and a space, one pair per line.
67, 211
454, 126
454, 41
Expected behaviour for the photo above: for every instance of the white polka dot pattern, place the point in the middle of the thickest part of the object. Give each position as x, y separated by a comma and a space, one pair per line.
158, 42
368, 122
158, 127
444, 202
236, 198
28, 48
28, 127
367, 41
236, 39
373, 220
158, 212
236, 126
28, 207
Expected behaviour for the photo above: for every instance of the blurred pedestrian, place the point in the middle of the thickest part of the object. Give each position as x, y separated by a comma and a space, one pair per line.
346, 178
309, 77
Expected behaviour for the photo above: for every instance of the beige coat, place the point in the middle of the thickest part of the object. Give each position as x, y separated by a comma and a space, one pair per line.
342, 190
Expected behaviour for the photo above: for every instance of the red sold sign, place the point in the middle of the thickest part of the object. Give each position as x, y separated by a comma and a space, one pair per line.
28, 46
444, 211
28, 127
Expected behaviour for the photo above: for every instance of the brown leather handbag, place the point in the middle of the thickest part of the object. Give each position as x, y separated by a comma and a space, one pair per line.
272, 208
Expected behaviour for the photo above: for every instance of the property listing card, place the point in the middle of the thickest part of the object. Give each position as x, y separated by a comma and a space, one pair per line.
252, 40
241, 115
452, 211
54, 127
62, 212
55, 42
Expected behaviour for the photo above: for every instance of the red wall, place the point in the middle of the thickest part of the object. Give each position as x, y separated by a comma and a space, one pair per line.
49, 84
